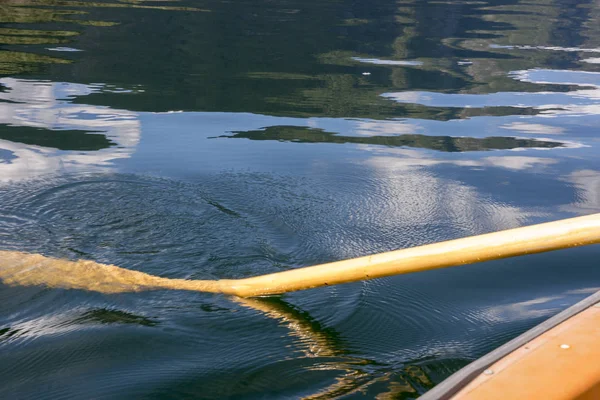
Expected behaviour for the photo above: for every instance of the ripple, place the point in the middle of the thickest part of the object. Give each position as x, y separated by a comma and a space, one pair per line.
185, 221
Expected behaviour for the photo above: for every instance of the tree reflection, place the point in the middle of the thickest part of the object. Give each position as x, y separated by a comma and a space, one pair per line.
440, 143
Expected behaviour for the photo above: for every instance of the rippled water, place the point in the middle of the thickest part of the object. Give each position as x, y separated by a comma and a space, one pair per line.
213, 139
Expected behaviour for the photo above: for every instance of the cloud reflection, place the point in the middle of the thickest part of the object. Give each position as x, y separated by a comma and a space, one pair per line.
534, 308
45, 105
422, 198
537, 129
587, 192
583, 100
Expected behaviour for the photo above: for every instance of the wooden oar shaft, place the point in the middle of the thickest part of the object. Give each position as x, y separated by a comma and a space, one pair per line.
514, 242
18, 268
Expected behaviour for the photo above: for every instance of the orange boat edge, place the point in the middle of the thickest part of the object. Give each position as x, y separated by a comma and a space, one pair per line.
556, 360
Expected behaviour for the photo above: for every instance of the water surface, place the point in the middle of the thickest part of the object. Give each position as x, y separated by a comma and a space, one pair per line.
211, 139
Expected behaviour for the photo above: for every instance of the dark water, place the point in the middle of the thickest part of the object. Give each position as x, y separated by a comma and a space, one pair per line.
217, 139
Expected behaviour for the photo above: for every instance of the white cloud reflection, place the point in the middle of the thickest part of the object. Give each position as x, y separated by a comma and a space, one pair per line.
410, 158
517, 162
587, 192
386, 128
593, 60
582, 101
378, 61
538, 129
46, 105
534, 308
423, 198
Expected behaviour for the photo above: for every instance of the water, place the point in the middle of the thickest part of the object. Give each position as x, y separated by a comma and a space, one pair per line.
213, 139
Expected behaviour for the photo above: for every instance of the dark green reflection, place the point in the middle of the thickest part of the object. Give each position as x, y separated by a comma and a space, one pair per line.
59, 139
439, 143
295, 58
109, 316
25, 15
18, 62
6, 333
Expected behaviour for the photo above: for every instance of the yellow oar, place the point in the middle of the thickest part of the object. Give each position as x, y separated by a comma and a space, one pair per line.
18, 268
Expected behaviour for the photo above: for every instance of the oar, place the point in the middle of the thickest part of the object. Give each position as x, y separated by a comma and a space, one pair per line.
18, 268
